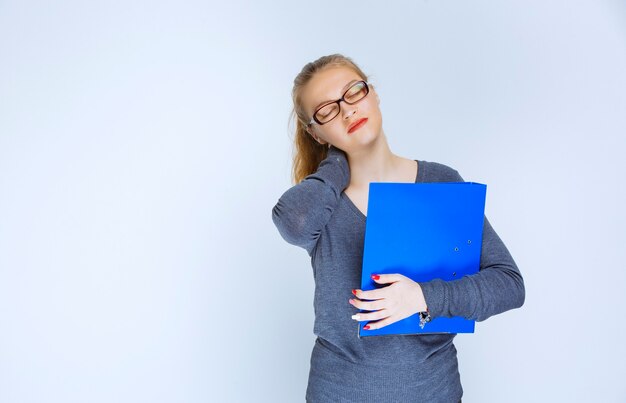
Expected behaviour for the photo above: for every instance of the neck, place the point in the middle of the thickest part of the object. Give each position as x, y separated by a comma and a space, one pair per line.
375, 163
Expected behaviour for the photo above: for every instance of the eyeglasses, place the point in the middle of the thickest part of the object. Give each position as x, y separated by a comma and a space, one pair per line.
329, 111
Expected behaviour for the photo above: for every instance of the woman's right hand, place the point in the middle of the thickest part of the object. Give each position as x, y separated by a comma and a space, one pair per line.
303, 211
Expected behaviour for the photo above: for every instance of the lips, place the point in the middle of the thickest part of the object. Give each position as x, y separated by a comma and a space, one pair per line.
356, 125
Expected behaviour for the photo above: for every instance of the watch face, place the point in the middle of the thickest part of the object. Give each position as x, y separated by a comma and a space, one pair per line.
423, 320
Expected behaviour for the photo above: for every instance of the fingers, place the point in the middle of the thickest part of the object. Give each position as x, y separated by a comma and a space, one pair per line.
363, 316
375, 320
380, 293
388, 278
381, 323
378, 301
368, 305
370, 294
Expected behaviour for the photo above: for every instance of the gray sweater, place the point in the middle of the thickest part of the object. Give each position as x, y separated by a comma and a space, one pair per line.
318, 216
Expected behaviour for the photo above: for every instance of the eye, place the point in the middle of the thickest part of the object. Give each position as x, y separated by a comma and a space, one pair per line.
324, 112
327, 112
357, 91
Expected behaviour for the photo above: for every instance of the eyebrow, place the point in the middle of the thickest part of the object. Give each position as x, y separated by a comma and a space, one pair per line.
345, 87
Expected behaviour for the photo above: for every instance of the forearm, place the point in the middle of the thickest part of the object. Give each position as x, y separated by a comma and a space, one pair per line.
496, 288
303, 210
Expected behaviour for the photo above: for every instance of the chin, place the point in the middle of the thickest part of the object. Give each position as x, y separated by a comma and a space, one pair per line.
367, 133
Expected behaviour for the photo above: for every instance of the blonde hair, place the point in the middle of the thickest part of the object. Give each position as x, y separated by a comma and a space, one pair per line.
308, 152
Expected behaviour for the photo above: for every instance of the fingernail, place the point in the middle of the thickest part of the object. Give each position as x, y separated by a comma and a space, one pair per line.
354, 292
366, 327
375, 277
356, 317
350, 301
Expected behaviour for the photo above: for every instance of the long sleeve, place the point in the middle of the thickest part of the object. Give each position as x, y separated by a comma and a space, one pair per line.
303, 210
497, 287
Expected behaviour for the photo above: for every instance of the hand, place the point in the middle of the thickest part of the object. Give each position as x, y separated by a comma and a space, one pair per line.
401, 299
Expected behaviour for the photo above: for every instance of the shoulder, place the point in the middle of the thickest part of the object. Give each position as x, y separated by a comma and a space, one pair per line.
438, 172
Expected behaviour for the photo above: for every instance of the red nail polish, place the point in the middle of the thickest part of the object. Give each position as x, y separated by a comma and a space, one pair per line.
354, 292
366, 327
375, 276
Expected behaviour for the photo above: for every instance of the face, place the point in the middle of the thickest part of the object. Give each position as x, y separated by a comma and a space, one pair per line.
329, 85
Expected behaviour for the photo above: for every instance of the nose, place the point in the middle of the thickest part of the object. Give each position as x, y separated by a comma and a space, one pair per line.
348, 110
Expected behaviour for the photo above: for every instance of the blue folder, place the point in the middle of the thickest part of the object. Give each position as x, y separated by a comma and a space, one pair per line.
423, 231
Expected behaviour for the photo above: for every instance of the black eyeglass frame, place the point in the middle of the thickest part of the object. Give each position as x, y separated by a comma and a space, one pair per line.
338, 102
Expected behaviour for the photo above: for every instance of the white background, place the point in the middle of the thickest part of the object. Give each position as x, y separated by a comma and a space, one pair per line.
143, 145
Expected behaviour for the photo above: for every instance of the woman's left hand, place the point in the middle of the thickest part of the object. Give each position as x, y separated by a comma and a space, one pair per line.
399, 300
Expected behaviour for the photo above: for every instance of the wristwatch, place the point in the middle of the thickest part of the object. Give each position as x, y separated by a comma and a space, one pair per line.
424, 317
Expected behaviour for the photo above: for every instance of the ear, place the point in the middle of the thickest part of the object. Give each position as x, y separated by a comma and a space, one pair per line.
310, 131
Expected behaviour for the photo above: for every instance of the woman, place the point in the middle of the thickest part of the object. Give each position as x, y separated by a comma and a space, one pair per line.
340, 148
